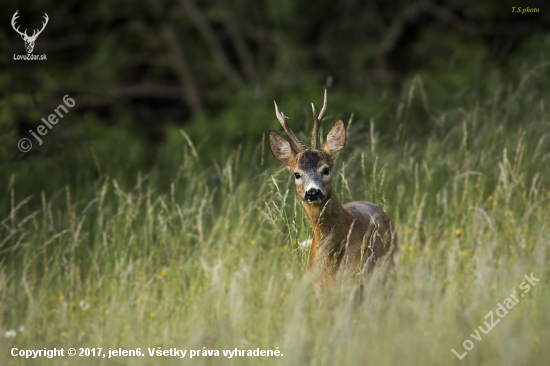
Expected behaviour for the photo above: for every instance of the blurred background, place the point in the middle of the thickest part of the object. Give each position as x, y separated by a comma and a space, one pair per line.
153, 213
140, 73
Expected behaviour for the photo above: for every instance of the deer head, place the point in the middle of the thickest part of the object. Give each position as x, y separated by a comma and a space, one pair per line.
311, 167
29, 40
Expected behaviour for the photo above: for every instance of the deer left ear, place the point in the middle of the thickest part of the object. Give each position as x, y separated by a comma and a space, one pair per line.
281, 149
336, 140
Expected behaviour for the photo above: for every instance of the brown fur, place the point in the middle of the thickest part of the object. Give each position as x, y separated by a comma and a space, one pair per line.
347, 239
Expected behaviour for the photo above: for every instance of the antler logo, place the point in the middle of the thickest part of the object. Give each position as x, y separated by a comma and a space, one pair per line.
29, 41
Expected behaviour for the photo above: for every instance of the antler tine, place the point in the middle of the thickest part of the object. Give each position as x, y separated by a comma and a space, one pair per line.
282, 119
13, 19
317, 122
324, 106
46, 18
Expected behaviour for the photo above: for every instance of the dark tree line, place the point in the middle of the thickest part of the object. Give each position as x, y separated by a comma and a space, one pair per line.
157, 61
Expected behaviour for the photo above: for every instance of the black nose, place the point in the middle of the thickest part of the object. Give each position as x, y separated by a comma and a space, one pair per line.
314, 194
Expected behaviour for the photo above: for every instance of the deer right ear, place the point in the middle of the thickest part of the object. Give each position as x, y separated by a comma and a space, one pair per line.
281, 149
336, 140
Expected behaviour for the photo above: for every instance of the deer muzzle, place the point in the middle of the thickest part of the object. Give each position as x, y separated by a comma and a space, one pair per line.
314, 195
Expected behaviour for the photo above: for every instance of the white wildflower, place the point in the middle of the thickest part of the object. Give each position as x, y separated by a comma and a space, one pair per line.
83, 305
289, 275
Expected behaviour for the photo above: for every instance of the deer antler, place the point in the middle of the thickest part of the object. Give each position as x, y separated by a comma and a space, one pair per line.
15, 16
43, 26
282, 119
317, 122
24, 34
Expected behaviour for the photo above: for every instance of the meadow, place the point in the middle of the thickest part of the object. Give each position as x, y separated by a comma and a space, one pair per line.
214, 257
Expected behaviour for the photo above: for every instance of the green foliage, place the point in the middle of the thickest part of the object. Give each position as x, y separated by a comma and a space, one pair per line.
196, 253
145, 220
219, 73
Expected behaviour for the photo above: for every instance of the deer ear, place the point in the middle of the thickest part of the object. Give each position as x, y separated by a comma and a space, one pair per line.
280, 148
336, 140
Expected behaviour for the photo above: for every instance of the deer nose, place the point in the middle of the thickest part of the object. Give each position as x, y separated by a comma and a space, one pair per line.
314, 194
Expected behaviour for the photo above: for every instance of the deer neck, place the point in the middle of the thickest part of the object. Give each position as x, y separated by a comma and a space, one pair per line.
330, 220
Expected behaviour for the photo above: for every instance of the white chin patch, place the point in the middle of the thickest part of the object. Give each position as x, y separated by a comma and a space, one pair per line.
315, 202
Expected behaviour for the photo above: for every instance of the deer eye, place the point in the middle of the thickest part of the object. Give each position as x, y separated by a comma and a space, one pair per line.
326, 171
297, 175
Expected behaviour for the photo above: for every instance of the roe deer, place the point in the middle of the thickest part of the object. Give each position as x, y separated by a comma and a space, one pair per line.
347, 239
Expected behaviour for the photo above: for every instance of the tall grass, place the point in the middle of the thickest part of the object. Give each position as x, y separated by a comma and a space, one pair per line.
212, 258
